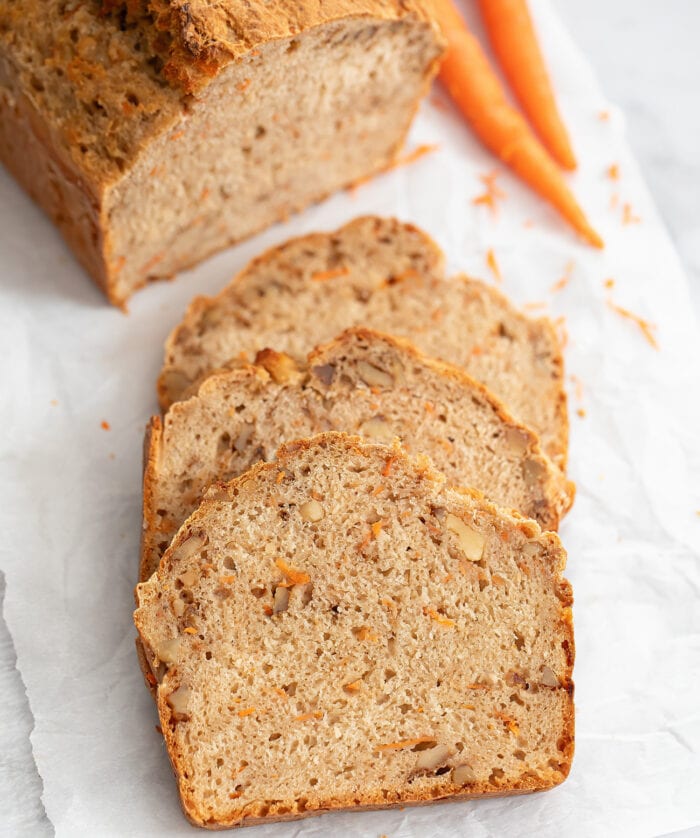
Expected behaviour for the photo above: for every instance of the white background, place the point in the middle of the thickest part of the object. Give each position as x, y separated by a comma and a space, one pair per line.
646, 58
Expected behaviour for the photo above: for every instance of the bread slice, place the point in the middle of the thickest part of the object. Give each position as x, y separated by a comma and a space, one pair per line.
161, 132
385, 275
363, 382
339, 630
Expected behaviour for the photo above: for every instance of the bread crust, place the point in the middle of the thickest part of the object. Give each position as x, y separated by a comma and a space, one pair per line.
262, 812
196, 39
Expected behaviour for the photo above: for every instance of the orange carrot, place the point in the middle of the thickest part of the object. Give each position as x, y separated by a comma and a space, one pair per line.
514, 41
473, 85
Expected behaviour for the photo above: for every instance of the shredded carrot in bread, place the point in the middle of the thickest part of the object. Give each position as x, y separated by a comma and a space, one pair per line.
118, 264
406, 743
429, 407
227, 580
177, 135
477, 686
151, 678
613, 172
378, 490
279, 478
386, 471
305, 717
511, 724
153, 262
628, 216
366, 633
645, 326
247, 712
204, 194
280, 692
190, 630
469, 707
104, 424
243, 85
388, 603
448, 578
493, 265
440, 619
294, 576
353, 686
333, 273
376, 528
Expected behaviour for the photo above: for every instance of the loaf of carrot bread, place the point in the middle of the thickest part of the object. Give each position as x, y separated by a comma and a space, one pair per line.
154, 132
339, 630
385, 275
363, 382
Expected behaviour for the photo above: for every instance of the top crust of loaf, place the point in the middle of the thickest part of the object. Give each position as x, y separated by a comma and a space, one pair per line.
197, 38
521, 633
104, 85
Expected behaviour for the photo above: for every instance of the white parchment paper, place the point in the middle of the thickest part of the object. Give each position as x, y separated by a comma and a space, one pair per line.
70, 489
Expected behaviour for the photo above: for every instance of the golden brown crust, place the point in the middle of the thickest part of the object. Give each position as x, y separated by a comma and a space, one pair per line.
262, 812
196, 39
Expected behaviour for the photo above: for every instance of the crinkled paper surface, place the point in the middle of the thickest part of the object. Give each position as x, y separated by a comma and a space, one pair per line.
70, 502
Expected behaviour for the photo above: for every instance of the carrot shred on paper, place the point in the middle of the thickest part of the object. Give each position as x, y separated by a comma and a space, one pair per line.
493, 265
492, 192
628, 216
404, 160
609, 283
105, 425
560, 284
613, 172
603, 116
578, 384
644, 325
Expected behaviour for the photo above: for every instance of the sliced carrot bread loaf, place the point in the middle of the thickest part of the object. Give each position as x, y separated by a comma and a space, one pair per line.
363, 382
385, 275
340, 630
154, 132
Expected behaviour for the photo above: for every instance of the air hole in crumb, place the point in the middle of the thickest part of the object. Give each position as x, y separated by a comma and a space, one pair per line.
260, 132
313, 781
258, 592
273, 737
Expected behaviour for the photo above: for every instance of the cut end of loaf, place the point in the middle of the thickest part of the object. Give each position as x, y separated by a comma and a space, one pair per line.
319, 646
